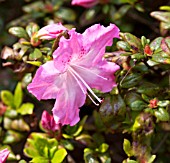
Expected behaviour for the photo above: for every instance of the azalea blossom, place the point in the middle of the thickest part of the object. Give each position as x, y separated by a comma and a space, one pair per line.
77, 66
85, 3
51, 31
88, 3
4, 155
48, 122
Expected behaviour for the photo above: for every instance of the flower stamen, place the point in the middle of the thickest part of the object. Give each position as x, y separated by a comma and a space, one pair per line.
87, 86
89, 71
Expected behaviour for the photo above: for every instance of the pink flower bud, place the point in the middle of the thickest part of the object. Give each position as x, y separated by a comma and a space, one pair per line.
4, 155
48, 122
51, 31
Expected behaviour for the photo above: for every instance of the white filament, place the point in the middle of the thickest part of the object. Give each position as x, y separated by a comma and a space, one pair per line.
86, 69
76, 75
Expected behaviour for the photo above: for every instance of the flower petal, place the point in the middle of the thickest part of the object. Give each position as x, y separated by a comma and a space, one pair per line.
66, 108
47, 122
85, 3
95, 40
4, 155
100, 76
51, 31
46, 82
68, 51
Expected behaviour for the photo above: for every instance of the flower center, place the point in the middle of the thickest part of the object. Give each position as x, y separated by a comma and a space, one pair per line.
78, 78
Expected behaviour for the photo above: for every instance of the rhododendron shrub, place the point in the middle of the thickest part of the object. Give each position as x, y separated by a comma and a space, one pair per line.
101, 95
77, 66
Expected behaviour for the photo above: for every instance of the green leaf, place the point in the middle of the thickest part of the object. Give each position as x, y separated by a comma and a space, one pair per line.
161, 114
26, 108
67, 144
11, 113
66, 14
22, 161
163, 103
112, 110
167, 8
131, 80
19, 32
127, 147
151, 159
98, 121
89, 156
156, 43
12, 137
161, 15
18, 95
148, 89
31, 28
133, 41
59, 156
121, 12
103, 148
7, 98
35, 63
138, 105
40, 160
36, 54
122, 45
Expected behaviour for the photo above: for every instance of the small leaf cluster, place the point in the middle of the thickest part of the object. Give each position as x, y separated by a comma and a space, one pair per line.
14, 127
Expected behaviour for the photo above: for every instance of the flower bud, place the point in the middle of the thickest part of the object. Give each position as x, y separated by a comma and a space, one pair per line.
4, 155
48, 122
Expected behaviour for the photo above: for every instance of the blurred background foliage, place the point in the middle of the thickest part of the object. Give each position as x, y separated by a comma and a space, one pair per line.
132, 124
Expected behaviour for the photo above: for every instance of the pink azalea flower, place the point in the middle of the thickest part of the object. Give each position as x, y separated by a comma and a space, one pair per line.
85, 3
78, 66
88, 3
51, 31
4, 155
48, 122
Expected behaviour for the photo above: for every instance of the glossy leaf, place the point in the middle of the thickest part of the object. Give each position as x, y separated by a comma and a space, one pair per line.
18, 95
161, 114
19, 32
36, 54
7, 98
26, 108
59, 156
127, 147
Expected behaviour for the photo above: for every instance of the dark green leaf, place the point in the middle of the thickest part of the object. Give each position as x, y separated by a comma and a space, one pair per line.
131, 80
